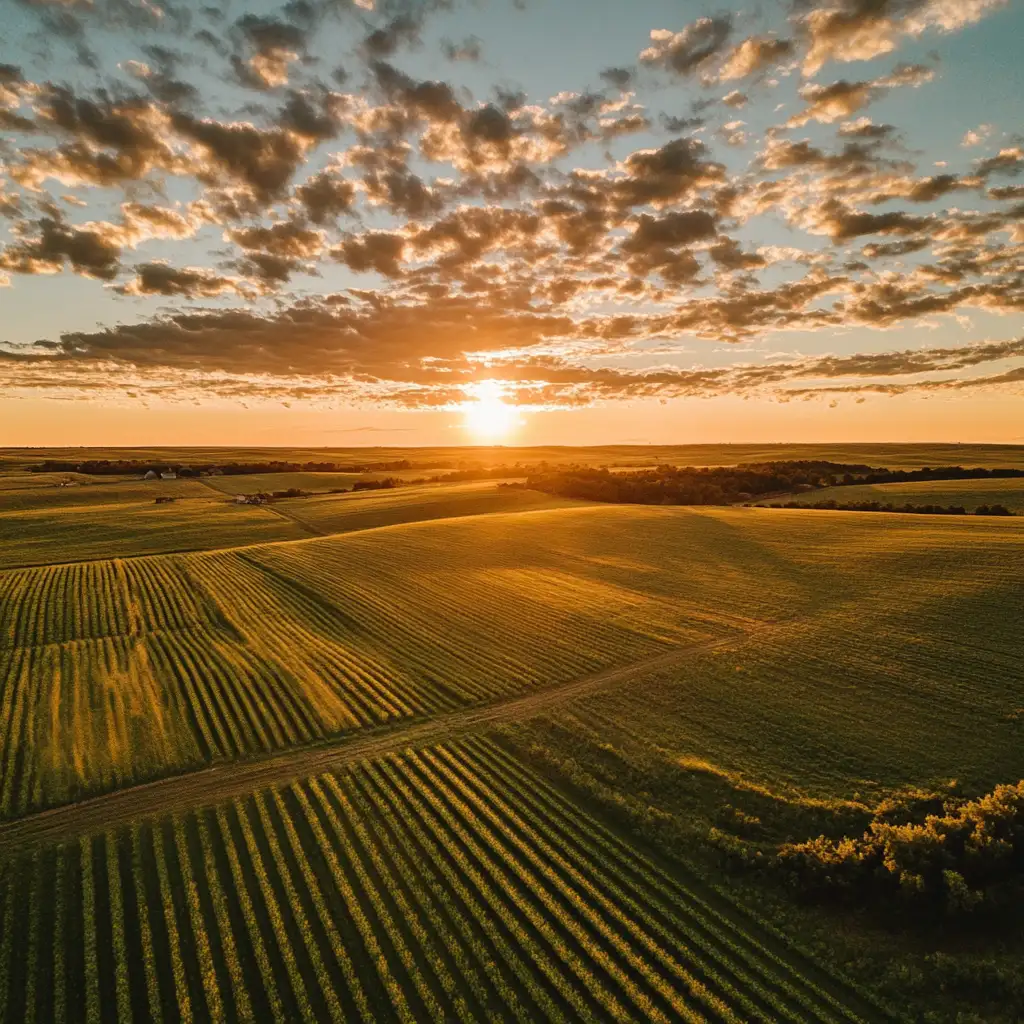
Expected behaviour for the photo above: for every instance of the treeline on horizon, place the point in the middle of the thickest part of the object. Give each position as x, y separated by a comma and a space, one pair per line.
125, 467
876, 506
726, 485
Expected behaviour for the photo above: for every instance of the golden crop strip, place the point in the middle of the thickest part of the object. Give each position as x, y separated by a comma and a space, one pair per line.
412, 888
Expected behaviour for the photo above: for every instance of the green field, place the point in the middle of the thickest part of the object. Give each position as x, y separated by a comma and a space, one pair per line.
255, 483
967, 493
118, 519
367, 510
38, 536
95, 491
411, 888
460, 752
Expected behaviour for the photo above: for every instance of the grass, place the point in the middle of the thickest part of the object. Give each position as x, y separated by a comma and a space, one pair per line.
367, 510
117, 519
96, 492
968, 493
46, 535
255, 483
411, 888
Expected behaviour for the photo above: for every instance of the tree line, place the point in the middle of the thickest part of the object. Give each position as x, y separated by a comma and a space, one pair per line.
877, 506
726, 485
127, 467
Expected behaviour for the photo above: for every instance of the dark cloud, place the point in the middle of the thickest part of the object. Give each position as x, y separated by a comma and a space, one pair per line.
878, 250
401, 30
668, 174
376, 250
729, 255
326, 196
268, 47
263, 159
470, 49
842, 223
187, 282
315, 116
618, 78
687, 51
94, 251
113, 140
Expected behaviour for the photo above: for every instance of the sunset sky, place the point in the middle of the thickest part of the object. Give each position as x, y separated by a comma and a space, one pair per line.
340, 222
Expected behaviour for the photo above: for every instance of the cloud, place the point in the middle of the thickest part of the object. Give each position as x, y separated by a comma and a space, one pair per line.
469, 49
829, 103
482, 224
189, 282
660, 176
854, 30
325, 196
263, 159
976, 136
268, 47
686, 52
753, 55
93, 250
376, 250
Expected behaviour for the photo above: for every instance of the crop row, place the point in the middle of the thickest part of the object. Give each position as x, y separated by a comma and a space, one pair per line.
447, 884
114, 672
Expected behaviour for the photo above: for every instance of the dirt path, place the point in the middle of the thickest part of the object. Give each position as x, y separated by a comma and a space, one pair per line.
291, 517
237, 778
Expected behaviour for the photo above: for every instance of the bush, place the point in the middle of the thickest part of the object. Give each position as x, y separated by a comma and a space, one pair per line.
969, 857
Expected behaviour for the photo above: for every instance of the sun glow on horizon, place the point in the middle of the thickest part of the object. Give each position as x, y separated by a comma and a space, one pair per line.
487, 415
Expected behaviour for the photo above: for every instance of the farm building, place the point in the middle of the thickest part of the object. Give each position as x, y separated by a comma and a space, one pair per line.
152, 475
168, 474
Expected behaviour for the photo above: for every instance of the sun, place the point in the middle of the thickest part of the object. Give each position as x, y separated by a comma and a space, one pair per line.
487, 416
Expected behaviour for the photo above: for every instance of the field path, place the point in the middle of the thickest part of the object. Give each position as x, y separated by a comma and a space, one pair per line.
237, 778
836, 1000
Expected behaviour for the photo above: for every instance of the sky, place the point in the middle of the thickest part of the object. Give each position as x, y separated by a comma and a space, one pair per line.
399, 222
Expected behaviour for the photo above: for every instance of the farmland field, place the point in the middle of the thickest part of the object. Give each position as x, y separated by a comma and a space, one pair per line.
967, 493
479, 753
253, 483
365, 510
97, 491
37, 536
412, 888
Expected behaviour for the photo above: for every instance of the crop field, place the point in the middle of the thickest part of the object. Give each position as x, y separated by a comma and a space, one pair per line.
122, 670
875, 691
670, 688
38, 536
968, 493
367, 510
253, 483
97, 491
411, 888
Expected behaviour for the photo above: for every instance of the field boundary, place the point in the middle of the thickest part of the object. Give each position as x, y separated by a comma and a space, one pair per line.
236, 778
